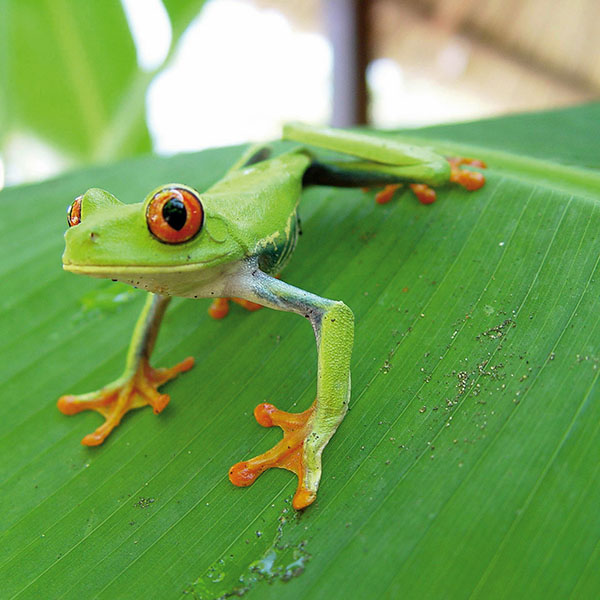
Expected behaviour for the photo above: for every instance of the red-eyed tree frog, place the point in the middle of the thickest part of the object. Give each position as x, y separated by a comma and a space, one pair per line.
231, 242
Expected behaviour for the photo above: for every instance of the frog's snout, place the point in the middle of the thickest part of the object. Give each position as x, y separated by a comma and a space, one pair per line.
91, 218
92, 201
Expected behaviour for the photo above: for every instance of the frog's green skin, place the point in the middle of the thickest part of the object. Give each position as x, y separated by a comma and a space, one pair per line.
249, 232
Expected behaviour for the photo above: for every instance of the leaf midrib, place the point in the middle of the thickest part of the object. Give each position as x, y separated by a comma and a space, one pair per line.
578, 181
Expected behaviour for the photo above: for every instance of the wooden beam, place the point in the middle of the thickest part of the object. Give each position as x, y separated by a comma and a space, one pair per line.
347, 27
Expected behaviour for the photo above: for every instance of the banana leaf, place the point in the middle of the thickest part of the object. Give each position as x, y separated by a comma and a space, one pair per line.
467, 466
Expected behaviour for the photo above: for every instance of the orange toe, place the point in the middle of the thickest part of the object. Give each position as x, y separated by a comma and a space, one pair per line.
387, 193
242, 475
68, 406
93, 439
424, 193
160, 402
303, 498
219, 308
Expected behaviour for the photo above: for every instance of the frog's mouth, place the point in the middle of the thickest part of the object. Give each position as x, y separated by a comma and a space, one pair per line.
109, 270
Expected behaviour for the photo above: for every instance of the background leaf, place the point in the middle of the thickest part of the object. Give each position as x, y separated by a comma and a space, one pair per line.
70, 75
68, 65
466, 467
181, 13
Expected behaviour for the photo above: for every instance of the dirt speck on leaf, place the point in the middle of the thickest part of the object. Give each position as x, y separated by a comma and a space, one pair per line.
144, 502
497, 331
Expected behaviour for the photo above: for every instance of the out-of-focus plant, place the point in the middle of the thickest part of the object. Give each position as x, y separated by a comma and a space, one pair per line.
69, 75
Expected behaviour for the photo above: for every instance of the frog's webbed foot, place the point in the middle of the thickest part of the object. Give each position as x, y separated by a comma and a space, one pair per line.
126, 393
290, 453
470, 180
219, 308
138, 386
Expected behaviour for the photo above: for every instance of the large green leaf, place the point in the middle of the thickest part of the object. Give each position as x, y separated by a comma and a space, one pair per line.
467, 465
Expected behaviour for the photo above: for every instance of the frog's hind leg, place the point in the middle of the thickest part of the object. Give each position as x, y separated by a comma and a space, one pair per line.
376, 161
138, 386
305, 434
324, 174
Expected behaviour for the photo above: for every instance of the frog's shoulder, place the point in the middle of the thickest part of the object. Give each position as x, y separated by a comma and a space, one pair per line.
257, 204
263, 177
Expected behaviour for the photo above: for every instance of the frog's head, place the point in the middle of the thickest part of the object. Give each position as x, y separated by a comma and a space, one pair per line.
166, 244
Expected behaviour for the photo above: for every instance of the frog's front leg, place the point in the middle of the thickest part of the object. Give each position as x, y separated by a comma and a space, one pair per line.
138, 386
305, 434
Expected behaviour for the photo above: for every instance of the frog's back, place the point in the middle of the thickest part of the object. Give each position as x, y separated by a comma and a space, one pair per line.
258, 203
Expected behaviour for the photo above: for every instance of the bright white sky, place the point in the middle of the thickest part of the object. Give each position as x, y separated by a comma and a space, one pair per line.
238, 74
241, 71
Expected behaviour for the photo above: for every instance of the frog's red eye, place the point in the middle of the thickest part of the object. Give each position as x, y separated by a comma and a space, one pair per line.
174, 215
74, 212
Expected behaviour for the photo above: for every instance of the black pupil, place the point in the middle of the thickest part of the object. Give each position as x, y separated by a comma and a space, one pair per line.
174, 213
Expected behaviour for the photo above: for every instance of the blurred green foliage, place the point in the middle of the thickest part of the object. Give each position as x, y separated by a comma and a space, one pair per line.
69, 75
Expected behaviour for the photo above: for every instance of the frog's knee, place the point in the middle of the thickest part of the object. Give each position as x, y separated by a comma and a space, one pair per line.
341, 314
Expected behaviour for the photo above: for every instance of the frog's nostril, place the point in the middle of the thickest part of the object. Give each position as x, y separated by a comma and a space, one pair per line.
93, 236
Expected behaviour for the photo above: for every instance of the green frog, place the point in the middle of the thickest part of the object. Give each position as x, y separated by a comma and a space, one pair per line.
232, 242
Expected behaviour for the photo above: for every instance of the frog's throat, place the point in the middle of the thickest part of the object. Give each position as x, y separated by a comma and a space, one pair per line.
195, 280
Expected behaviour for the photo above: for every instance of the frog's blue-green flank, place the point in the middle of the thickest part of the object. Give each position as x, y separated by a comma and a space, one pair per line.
231, 241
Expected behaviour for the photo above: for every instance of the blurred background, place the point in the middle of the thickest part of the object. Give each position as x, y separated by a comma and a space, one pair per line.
96, 81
